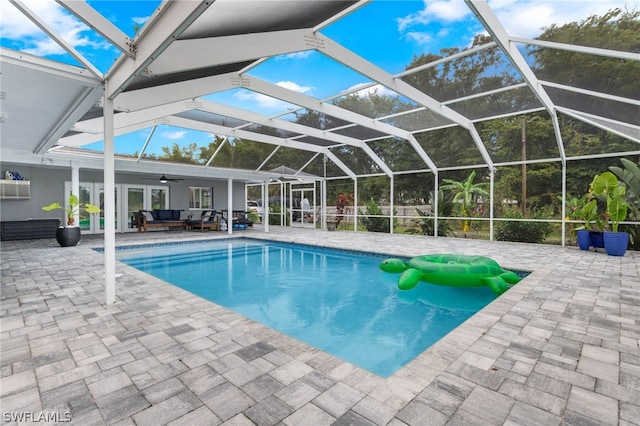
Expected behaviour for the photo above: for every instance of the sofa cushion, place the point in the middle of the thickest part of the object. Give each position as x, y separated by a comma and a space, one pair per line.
175, 214
165, 214
147, 215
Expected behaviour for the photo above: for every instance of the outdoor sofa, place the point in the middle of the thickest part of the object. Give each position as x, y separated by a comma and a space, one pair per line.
165, 218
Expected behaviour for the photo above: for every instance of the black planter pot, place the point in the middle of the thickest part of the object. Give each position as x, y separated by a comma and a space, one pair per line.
68, 237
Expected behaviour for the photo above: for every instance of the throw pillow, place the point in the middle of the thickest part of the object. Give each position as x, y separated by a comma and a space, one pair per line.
148, 216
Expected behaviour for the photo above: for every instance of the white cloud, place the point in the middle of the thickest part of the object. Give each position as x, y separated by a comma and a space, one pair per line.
269, 102
523, 18
140, 20
175, 135
419, 37
527, 18
17, 27
295, 86
435, 10
262, 100
377, 89
296, 55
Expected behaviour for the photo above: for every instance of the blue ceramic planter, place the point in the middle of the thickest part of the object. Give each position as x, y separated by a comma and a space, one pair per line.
615, 243
596, 239
583, 239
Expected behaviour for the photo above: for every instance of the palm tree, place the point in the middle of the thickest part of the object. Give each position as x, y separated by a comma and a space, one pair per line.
464, 192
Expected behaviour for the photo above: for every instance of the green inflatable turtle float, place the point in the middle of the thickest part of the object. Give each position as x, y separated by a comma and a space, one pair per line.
451, 270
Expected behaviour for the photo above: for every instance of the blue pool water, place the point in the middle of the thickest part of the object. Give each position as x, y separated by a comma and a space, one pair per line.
339, 302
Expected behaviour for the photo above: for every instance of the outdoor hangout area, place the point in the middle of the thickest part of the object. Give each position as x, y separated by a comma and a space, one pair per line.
323, 212
559, 347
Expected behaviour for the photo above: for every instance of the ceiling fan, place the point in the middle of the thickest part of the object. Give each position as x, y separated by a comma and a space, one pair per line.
164, 179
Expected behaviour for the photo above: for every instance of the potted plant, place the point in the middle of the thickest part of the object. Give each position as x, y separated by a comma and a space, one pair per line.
69, 235
341, 205
606, 185
588, 213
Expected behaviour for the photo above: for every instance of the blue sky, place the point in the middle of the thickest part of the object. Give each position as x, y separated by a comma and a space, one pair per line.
388, 33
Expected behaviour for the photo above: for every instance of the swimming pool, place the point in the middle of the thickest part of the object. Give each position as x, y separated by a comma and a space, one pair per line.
337, 301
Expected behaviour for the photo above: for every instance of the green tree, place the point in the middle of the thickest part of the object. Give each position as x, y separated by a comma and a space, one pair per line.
180, 154
464, 193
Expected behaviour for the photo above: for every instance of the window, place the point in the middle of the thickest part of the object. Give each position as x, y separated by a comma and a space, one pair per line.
200, 198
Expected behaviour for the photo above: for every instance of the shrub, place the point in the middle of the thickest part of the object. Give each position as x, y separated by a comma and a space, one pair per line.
522, 231
274, 215
445, 208
374, 224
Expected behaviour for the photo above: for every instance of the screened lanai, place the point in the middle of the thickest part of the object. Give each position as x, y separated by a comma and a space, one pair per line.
388, 105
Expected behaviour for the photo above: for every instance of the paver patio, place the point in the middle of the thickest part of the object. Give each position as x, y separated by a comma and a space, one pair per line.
561, 347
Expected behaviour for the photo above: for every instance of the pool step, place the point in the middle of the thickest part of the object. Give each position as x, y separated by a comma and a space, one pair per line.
151, 260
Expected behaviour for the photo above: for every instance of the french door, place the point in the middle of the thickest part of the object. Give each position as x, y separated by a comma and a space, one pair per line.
142, 197
128, 198
93, 193
302, 206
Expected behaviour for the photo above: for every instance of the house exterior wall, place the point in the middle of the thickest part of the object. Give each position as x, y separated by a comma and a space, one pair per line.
47, 186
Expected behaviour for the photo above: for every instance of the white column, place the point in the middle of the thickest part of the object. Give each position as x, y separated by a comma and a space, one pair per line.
492, 174
265, 205
323, 197
75, 189
435, 202
109, 203
355, 204
229, 206
391, 204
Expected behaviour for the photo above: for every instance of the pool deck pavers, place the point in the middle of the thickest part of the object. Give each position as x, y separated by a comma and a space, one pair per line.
561, 347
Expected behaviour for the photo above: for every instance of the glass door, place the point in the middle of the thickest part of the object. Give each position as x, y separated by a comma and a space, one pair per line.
93, 193
84, 197
97, 220
133, 202
158, 197
303, 206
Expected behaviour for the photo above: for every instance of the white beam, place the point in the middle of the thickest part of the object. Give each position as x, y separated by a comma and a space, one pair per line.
168, 93
125, 119
490, 21
293, 127
82, 103
308, 102
579, 49
212, 51
57, 38
83, 11
350, 59
48, 66
171, 19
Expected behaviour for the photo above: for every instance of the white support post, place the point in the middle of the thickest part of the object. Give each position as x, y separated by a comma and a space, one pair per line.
229, 206
109, 203
564, 202
436, 202
355, 204
492, 175
265, 205
323, 197
391, 204
75, 189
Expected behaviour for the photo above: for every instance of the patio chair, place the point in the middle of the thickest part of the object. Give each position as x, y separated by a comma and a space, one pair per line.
208, 219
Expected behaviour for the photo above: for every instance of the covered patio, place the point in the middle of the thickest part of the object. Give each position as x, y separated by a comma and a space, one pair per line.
561, 347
